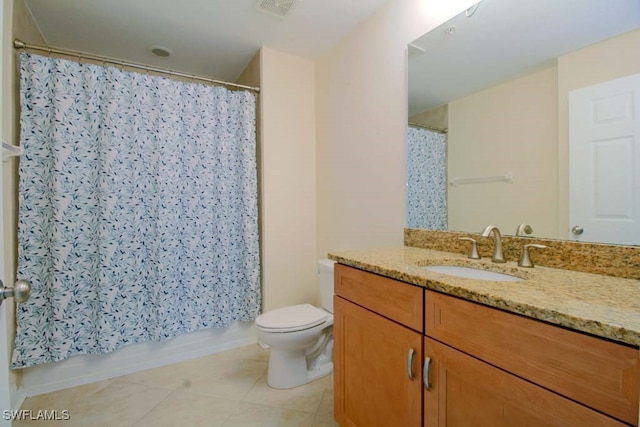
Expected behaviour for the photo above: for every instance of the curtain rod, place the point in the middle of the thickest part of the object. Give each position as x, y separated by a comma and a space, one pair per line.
416, 125
19, 44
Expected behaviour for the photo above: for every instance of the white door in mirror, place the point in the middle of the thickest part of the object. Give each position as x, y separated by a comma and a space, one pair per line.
604, 147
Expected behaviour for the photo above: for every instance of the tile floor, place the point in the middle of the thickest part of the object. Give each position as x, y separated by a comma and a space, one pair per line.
224, 389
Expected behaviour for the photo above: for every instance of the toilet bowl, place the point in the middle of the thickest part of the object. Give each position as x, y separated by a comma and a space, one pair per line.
300, 337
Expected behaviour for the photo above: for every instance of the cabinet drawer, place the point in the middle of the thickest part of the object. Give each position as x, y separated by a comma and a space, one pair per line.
390, 298
598, 373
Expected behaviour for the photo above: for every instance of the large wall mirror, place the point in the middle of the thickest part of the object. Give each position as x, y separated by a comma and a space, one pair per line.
492, 113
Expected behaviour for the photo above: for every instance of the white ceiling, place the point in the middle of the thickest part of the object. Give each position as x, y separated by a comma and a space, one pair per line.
214, 38
505, 39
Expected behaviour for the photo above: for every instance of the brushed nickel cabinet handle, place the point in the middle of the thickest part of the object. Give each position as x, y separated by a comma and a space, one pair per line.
425, 373
410, 363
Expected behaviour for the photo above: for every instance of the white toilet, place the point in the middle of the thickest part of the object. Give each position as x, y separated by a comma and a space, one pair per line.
300, 337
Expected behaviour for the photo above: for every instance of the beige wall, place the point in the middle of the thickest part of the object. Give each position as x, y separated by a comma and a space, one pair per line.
17, 23
288, 177
250, 76
511, 127
436, 119
286, 167
361, 123
608, 60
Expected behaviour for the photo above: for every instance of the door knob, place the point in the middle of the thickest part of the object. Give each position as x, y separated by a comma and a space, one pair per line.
577, 230
20, 291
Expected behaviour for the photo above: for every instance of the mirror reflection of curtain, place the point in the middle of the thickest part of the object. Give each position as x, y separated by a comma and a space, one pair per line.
426, 179
138, 209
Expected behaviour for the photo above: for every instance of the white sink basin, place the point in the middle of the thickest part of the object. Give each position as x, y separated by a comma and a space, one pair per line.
472, 273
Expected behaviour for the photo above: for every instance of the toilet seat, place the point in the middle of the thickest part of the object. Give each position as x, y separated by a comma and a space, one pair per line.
292, 318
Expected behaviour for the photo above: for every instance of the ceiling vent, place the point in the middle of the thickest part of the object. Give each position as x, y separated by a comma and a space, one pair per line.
279, 8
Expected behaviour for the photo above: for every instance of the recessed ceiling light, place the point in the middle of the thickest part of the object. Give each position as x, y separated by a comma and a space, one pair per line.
161, 51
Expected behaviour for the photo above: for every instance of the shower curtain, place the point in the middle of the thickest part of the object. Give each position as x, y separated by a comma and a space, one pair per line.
138, 209
426, 179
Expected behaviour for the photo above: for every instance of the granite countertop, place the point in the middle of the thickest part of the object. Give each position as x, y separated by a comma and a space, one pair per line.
604, 306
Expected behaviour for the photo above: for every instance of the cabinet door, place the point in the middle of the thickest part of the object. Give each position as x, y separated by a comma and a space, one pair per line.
465, 391
597, 373
372, 369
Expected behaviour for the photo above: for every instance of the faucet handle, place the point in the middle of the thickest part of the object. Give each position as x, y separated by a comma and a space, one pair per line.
524, 229
473, 254
525, 261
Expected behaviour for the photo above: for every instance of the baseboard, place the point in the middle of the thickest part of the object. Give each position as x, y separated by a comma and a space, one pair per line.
17, 397
85, 369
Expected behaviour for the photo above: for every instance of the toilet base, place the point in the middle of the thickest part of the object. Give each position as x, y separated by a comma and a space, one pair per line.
320, 371
288, 369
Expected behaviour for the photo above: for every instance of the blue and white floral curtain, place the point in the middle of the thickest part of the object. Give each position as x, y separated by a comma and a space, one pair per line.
426, 179
138, 209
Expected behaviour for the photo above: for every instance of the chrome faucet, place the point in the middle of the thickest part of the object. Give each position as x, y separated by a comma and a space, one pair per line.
497, 241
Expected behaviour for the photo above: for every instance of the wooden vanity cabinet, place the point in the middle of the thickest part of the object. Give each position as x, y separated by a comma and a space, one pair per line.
486, 367
377, 324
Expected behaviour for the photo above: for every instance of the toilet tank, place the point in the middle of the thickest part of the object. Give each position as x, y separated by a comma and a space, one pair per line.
325, 272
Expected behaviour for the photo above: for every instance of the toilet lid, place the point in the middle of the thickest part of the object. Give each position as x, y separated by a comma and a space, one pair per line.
302, 316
